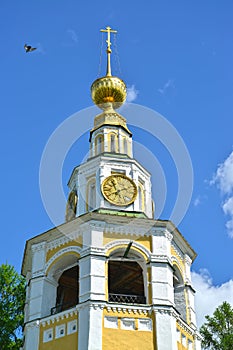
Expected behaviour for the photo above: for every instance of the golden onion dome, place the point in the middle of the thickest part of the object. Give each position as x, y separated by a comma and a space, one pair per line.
108, 89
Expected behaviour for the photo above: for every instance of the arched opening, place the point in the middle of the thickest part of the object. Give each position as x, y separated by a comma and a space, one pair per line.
112, 143
141, 197
99, 144
125, 282
71, 206
67, 290
91, 195
125, 145
179, 293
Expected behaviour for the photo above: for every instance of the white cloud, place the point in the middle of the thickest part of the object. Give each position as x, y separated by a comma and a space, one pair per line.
132, 93
73, 35
208, 296
228, 206
223, 179
200, 199
197, 201
167, 85
228, 210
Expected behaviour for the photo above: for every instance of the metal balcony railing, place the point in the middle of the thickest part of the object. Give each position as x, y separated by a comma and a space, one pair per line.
62, 307
126, 299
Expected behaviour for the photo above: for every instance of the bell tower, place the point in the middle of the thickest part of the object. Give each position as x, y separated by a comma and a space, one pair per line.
111, 179
110, 277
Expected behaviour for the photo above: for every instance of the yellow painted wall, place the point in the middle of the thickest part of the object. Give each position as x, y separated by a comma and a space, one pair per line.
144, 241
186, 334
180, 346
50, 253
116, 339
67, 342
174, 254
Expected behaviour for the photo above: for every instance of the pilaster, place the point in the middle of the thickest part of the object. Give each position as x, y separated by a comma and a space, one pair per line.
92, 264
90, 326
161, 269
32, 335
35, 284
165, 329
190, 292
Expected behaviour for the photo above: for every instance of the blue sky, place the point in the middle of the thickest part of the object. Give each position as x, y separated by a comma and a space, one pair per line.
175, 56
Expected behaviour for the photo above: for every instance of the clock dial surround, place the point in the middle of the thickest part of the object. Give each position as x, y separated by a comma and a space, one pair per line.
119, 190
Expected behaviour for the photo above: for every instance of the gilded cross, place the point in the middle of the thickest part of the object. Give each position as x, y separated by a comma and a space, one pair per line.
108, 30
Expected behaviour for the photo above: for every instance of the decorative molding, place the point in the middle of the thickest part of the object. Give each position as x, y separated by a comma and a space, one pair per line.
33, 324
177, 250
38, 247
145, 324
98, 225
188, 260
69, 249
111, 322
37, 274
134, 310
129, 228
58, 317
72, 327
197, 336
168, 235
185, 327
136, 245
62, 240
175, 260
92, 251
160, 259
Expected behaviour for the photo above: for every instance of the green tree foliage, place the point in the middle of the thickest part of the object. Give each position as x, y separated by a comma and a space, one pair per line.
12, 298
217, 332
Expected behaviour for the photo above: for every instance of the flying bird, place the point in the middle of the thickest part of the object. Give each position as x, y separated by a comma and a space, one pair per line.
29, 48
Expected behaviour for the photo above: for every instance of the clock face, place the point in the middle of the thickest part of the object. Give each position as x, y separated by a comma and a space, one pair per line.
118, 189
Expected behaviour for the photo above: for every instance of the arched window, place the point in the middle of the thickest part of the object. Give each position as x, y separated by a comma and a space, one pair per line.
125, 145
141, 196
67, 290
71, 206
179, 293
112, 143
99, 144
126, 278
91, 195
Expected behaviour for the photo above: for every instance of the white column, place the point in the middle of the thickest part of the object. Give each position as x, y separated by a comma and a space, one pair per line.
148, 199
35, 292
161, 269
90, 327
32, 335
49, 296
197, 341
105, 133
190, 291
92, 264
165, 330
130, 147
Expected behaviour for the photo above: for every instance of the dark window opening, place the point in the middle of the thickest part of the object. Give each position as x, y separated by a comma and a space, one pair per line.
67, 290
125, 282
179, 296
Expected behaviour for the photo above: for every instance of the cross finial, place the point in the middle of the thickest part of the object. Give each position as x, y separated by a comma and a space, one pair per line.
108, 30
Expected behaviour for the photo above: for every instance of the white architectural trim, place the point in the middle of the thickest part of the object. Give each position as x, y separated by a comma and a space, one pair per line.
70, 249
118, 244
174, 260
32, 335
